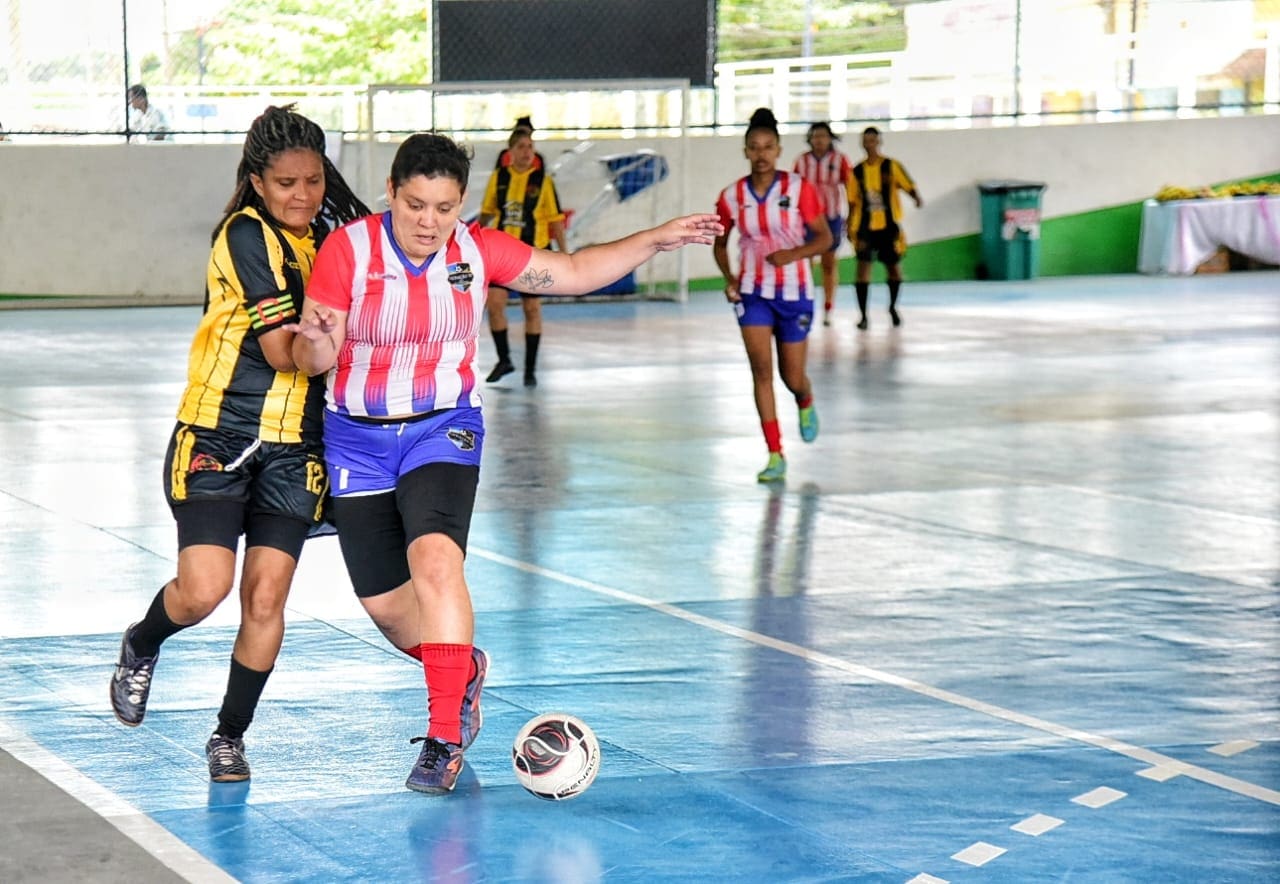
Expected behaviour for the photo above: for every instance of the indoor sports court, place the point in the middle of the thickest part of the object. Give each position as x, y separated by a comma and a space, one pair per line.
1013, 617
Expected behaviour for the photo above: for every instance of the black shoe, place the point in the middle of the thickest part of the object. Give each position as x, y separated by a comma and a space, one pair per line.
862, 323
500, 371
530, 379
227, 763
897, 320
131, 683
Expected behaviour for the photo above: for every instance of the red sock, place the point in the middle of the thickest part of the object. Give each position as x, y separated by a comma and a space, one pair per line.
772, 436
447, 668
416, 653
804, 402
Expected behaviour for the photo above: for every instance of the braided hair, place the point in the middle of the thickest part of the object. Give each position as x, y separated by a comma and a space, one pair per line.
275, 131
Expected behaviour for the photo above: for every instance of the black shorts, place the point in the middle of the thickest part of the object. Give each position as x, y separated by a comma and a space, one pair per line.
883, 245
221, 484
375, 530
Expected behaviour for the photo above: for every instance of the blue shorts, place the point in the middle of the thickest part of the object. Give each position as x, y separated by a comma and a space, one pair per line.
836, 226
366, 456
790, 320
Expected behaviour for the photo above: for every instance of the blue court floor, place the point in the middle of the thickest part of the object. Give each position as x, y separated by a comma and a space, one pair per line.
1014, 617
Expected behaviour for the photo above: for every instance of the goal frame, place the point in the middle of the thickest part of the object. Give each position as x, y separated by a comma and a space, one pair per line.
597, 109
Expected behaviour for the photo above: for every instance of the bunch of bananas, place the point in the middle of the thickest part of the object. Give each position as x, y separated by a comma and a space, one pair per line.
1169, 193
1244, 188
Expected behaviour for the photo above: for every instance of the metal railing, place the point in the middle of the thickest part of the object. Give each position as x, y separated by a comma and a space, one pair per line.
892, 89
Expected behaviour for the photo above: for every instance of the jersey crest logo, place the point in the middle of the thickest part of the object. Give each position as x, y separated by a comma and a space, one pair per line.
460, 276
204, 463
784, 203
465, 440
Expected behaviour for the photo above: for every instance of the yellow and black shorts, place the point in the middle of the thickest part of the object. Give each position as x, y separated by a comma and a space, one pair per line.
221, 485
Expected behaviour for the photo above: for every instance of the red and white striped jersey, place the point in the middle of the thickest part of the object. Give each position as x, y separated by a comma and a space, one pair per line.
768, 222
411, 330
829, 174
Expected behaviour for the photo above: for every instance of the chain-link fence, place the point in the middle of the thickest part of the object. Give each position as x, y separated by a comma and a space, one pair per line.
207, 67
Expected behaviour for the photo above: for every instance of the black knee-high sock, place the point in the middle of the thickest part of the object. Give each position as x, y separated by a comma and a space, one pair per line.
861, 289
244, 687
531, 352
503, 347
153, 629
894, 286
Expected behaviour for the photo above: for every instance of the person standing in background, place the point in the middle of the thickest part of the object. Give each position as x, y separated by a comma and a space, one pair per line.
145, 119
875, 220
521, 199
828, 170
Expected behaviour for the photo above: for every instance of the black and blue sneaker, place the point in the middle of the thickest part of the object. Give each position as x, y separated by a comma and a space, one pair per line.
437, 768
227, 763
131, 683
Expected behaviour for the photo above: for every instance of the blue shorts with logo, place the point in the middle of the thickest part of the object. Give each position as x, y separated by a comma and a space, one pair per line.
366, 456
790, 320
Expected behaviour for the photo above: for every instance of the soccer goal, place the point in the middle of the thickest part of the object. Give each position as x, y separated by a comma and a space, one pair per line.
616, 149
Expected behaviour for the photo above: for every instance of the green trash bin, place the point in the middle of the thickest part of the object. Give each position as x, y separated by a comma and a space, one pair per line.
1010, 229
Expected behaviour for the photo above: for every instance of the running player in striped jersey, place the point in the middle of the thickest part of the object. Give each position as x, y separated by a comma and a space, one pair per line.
780, 226
245, 457
393, 313
828, 170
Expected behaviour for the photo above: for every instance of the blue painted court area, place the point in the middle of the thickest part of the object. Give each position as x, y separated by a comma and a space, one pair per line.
1014, 617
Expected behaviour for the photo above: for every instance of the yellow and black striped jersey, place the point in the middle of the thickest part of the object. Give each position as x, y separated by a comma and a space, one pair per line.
873, 194
256, 279
524, 203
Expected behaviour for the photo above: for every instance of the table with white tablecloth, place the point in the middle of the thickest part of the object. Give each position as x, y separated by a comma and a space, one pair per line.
1179, 235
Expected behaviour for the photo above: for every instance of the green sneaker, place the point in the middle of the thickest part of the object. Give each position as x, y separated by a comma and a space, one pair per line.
809, 423
775, 470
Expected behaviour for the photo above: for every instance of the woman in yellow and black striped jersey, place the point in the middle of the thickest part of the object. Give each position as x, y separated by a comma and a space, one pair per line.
245, 458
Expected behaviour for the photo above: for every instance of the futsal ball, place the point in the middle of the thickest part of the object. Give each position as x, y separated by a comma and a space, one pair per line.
556, 756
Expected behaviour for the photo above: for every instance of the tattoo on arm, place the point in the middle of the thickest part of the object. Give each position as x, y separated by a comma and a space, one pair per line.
533, 279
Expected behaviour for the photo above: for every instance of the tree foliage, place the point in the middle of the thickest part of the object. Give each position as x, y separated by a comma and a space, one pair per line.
756, 29
352, 42
309, 42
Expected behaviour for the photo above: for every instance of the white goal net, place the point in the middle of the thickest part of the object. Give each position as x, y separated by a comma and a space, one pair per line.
617, 151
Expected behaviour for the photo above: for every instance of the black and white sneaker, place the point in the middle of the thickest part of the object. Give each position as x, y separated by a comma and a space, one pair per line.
227, 763
131, 683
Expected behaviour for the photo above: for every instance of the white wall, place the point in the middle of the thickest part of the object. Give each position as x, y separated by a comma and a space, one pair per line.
133, 221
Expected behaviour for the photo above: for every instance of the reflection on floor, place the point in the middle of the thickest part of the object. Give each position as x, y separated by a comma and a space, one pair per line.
1013, 616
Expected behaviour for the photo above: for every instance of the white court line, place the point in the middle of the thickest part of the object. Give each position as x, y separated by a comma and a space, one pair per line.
1139, 753
152, 837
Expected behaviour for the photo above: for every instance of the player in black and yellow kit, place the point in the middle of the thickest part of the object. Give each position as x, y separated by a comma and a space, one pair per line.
245, 458
521, 199
875, 220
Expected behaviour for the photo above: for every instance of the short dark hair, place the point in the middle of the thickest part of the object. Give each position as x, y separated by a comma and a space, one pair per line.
137, 90
820, 126
433, 156
871, 130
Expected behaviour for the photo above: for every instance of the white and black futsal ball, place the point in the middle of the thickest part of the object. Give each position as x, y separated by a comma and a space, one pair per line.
556, 756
